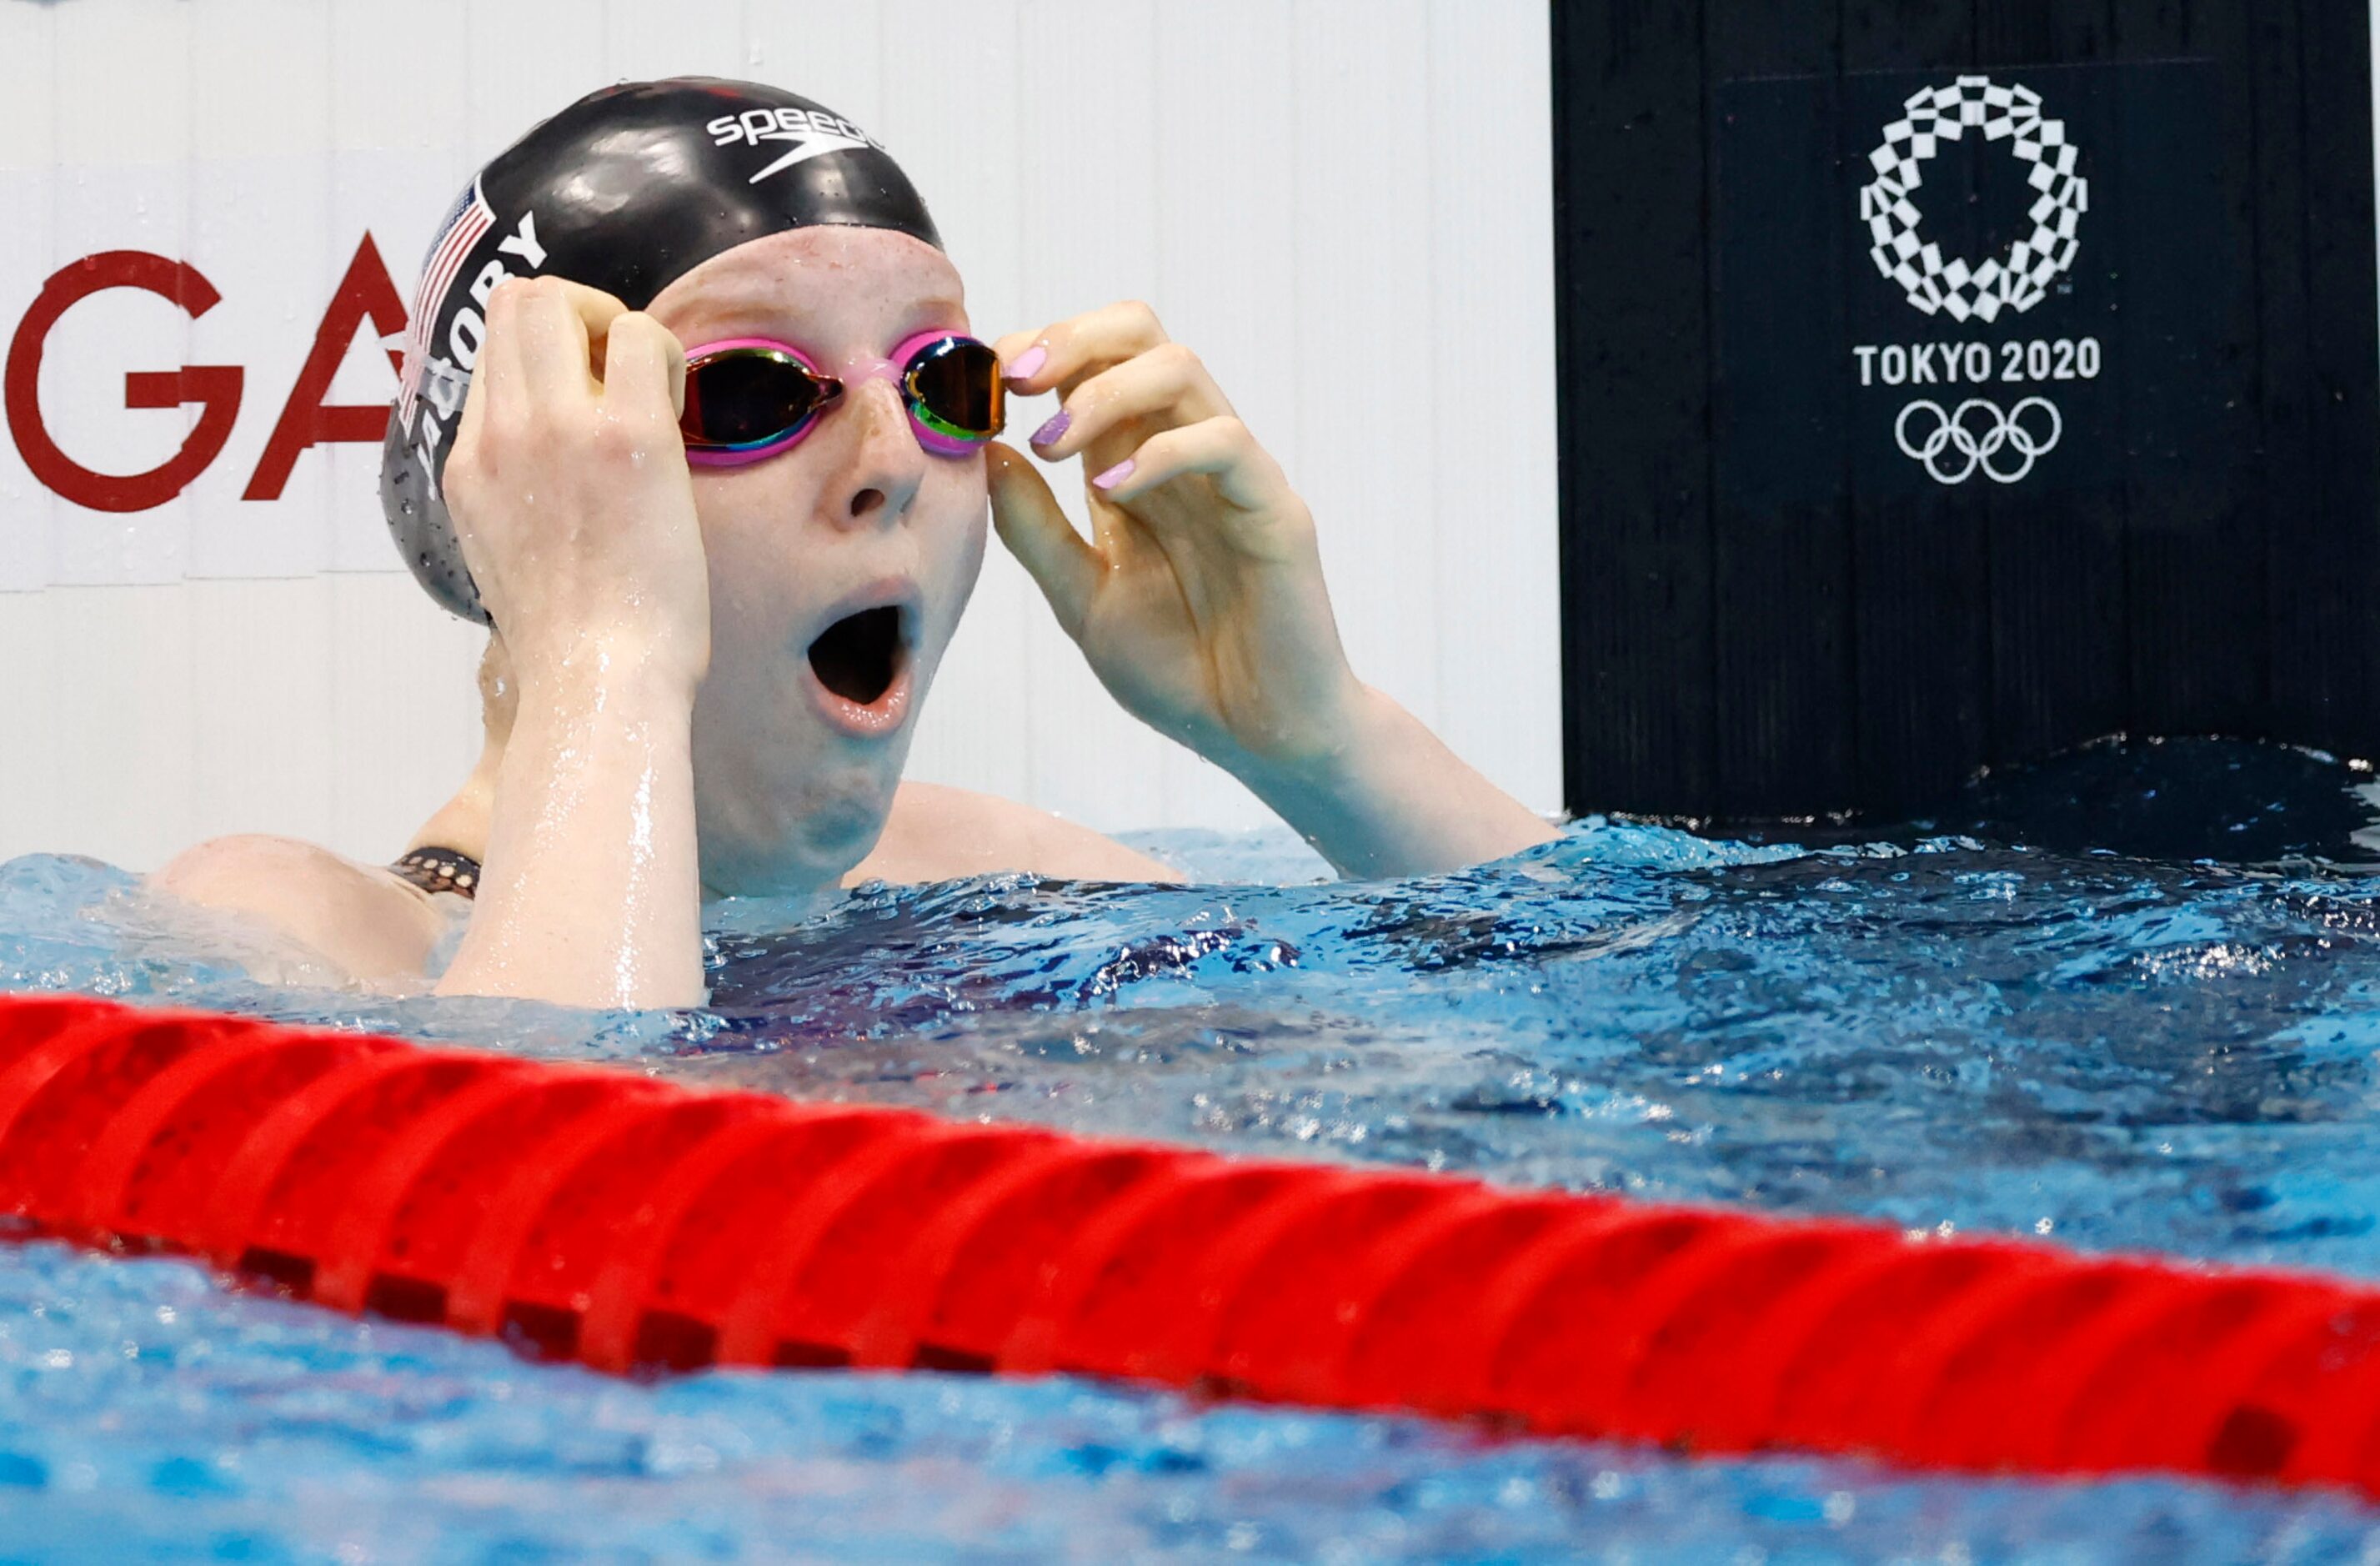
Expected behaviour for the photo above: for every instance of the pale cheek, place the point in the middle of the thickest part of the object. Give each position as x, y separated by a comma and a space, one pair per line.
954, 543
752, 548
971, 562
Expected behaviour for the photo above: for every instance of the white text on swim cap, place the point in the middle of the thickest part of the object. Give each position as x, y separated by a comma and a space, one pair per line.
756, 126
813, 134
445, 378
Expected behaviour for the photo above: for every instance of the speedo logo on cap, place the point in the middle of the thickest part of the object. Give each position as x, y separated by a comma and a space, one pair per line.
810, 132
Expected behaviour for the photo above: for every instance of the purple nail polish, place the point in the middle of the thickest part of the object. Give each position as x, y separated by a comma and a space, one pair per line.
1048, 433
1115, 475
1030, 360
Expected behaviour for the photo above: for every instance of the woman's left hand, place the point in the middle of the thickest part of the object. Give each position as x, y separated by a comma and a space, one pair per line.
1198, 600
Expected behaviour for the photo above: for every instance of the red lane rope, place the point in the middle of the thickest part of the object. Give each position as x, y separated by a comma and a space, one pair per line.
595, 1213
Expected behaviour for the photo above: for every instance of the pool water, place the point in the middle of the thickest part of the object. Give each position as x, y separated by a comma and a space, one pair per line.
2129, 1001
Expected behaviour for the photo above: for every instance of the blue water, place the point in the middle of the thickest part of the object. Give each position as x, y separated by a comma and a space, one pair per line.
2131, 1000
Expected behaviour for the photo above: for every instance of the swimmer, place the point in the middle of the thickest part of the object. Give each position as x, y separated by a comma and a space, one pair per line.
694, 417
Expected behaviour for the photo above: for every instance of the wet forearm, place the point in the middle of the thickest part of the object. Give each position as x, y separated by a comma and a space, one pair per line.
592, 894
1393, 800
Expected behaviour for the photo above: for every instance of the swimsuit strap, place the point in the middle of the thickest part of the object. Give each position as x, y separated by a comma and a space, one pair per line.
440, 870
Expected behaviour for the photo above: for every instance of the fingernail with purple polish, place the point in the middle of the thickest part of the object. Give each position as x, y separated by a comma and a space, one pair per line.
1048, 433
1114, 475
1031, 359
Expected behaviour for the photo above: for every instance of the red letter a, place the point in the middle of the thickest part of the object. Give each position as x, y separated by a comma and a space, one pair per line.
365, 294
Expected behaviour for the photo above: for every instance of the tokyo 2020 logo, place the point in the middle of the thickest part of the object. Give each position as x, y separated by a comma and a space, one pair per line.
1978, 436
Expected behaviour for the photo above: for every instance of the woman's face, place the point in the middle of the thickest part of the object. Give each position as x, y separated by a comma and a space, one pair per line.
838, 568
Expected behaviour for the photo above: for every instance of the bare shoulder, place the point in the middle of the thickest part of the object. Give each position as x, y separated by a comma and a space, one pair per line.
936, 833
377, 928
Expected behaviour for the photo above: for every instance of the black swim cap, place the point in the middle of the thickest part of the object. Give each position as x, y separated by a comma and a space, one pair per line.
626, 190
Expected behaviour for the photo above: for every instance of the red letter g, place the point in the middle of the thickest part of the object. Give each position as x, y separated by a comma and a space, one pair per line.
215, 388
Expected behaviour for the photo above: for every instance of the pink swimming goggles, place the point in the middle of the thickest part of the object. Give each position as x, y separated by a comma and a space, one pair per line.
748, 398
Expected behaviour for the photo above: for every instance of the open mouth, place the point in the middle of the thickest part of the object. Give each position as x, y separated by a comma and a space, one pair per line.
859, 657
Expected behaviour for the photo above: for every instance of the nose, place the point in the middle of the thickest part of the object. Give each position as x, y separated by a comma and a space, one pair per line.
886, 465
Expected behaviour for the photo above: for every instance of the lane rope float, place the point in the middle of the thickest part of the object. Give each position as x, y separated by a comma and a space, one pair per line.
594, 1214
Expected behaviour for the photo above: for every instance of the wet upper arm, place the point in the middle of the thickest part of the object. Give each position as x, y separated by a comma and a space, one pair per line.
375, 927
935, 833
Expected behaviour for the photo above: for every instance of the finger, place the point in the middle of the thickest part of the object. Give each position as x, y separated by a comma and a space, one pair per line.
1166, 385
1220, 448
494, 377
476, 393
644, 368
1027, 517
1013, 350
596, 310
1081, 347
559, 333
496, 373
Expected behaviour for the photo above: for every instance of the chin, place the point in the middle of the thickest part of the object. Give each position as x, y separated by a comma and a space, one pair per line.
795, 814
804, 838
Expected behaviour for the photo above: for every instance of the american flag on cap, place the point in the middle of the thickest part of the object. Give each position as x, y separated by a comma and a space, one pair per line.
472, 218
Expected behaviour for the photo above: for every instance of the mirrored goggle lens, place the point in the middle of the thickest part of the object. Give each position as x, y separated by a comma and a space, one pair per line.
747, 396
954, 385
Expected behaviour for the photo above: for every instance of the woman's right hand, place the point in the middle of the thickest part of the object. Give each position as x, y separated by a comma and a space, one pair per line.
572, 500
570, 491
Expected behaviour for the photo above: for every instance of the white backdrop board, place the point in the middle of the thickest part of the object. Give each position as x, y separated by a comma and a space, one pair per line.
217, 196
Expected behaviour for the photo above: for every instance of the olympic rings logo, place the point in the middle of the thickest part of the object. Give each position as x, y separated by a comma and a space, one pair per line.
1976, 435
